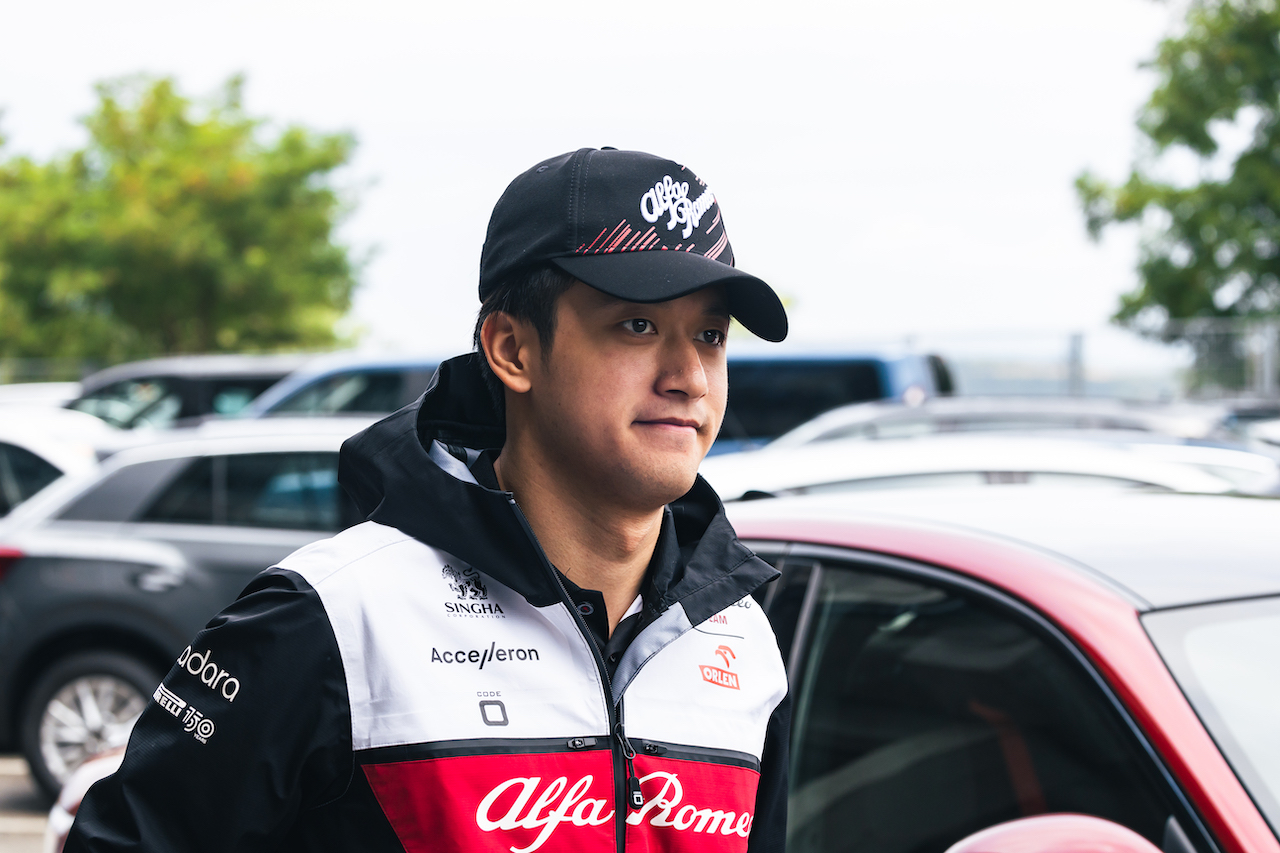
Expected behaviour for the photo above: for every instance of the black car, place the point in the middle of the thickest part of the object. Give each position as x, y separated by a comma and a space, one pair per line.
105, 578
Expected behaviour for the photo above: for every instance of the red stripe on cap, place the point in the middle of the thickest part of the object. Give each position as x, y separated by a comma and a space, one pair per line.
604, 247
715, 251
645, 240
621, 237
714, 222
598, 236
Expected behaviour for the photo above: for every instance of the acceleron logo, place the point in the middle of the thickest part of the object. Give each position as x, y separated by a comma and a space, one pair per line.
721, 677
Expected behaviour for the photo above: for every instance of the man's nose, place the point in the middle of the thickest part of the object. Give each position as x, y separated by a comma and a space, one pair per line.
682, 370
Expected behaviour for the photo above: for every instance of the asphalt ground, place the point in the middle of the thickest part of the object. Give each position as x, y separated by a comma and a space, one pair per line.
22, 809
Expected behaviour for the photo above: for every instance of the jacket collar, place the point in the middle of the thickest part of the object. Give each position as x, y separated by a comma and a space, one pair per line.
389, 472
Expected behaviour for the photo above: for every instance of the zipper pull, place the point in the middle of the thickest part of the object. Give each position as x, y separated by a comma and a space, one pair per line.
635, 797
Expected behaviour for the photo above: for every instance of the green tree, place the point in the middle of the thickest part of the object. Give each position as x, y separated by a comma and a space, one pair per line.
175, 230
1211, 249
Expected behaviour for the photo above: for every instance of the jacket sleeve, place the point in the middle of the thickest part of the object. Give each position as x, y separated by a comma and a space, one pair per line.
249, 728
769, 827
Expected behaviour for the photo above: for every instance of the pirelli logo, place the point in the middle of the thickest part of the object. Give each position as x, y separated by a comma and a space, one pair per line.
169, 700
721, 677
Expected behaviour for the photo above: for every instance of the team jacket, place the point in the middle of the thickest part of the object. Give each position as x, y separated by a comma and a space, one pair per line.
421, 682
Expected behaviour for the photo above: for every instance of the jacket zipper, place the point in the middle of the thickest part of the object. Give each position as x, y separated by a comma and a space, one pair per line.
626, 787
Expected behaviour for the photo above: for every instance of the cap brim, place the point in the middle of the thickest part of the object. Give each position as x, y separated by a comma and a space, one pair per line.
657, 276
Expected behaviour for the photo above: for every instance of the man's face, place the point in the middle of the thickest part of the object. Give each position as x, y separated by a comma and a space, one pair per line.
631, 396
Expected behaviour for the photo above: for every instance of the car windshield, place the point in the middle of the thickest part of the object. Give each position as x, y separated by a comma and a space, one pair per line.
364, 391
1226, 658
149, 401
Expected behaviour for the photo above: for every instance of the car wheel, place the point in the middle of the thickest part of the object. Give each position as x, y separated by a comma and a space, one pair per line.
82, 706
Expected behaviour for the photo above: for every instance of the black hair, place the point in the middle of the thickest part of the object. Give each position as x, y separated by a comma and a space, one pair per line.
529, 295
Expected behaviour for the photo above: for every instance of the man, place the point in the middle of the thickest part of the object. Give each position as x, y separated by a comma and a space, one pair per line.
543, 638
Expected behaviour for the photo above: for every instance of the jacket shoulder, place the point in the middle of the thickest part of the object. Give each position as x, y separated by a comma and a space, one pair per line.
320, 561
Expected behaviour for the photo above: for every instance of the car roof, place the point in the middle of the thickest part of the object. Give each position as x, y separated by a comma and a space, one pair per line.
199, 366
318, 434
66, 439
337, 363
1164, 549
221, 433
1191, 420
828, 464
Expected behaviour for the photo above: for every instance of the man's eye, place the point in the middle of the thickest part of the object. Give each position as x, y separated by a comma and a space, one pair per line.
639, 327
715, 337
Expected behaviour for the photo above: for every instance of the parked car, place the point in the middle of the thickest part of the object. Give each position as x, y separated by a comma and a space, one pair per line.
346, 383
39, 444
163, 392
104, 578
770, 393
976, 460
961, 659
38, 393
939, 415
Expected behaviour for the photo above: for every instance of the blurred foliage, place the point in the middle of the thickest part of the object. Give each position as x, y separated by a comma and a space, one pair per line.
173, 231
1211, 249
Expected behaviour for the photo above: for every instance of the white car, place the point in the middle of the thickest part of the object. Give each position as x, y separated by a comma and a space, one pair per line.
946, 415
980, 460
53, 394
39, 444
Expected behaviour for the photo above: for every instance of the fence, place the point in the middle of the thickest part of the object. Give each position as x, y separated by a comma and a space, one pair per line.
45, 369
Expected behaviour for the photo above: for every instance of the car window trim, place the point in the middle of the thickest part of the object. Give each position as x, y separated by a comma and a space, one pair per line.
1028, 615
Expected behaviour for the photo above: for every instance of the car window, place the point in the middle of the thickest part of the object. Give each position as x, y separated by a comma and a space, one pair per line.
146, 401
229, 396
294, 491
767, 398
364, 391
22, 474
121, 493
923, 715
1226, 658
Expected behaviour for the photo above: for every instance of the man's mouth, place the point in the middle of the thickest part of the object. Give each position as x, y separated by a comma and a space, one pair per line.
674, 423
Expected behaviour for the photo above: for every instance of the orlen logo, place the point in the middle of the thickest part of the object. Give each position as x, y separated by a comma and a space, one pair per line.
721, 677
217, 679
536, 807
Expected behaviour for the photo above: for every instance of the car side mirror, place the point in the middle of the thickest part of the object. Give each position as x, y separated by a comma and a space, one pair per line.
1055, 833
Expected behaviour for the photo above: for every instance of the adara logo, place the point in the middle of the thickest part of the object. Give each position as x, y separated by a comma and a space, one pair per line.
217, 679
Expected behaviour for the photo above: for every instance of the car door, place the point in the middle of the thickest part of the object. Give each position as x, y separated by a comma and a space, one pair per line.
234, 515
927, 706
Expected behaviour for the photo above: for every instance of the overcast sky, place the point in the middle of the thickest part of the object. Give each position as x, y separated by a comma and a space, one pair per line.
894, 168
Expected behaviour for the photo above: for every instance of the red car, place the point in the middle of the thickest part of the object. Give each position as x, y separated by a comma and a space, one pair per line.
1015, 670
961, 660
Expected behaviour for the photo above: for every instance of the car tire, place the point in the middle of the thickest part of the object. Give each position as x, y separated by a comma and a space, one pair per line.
80, 706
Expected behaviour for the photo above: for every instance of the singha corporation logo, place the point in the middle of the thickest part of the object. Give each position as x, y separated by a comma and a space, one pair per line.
472, 595
466, 584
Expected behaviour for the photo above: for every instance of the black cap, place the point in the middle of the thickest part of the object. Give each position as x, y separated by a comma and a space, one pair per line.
629, 224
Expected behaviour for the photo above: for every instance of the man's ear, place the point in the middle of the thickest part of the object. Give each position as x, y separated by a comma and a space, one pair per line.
511, 346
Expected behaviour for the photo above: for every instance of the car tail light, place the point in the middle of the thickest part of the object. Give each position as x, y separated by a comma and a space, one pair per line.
8, 556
